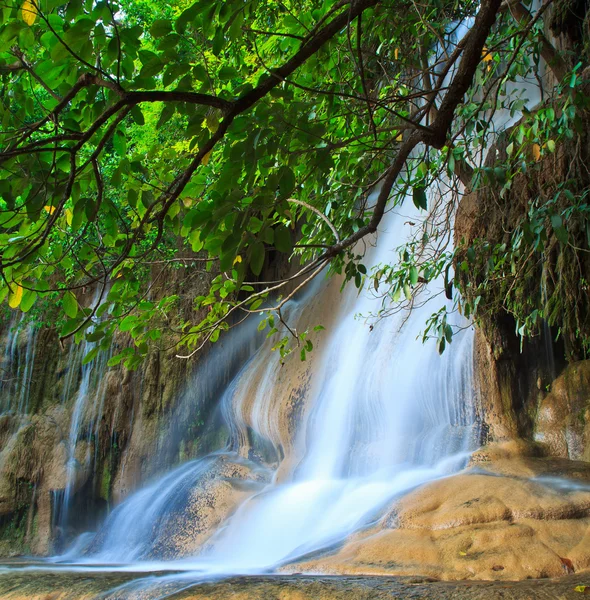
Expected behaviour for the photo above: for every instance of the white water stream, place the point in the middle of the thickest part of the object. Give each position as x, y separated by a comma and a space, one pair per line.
387, 413
16, 368
87, 412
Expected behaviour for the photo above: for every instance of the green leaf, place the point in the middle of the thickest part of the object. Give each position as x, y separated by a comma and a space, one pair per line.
69, 327
115, 360
419, 198
120, 143
257, 257
500, 175
28, 300
558, 228
448, 333
227, 72
70, 305
413, 275
91, 355
137, 115
128, 323
160, 28
286, 182
282, 237
200, 73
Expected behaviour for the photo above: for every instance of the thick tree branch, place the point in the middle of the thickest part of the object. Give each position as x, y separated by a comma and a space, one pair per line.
461, 82
463, 78
307, 50
172, 96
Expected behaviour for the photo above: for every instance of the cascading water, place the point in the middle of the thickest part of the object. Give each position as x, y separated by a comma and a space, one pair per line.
385, 417
8, 360
86, 396
385, 414
17, 368
86, 413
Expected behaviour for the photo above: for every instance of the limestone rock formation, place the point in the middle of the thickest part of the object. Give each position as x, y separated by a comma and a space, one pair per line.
507, 517
563, 419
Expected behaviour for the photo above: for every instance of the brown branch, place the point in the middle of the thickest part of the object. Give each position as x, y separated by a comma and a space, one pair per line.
320, 214
13, 67
172, 96
461, 82
29, 68
307, 50
463, 78
273, 33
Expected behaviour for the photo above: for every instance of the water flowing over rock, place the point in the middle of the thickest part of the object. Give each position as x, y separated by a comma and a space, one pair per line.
363, 460
371, 415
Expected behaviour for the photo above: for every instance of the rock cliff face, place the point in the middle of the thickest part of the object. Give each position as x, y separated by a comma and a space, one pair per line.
562, 423
101, 433
521, 397
536, 388
128, 427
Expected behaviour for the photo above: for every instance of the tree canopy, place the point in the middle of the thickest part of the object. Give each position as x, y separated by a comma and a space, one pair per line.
209, 134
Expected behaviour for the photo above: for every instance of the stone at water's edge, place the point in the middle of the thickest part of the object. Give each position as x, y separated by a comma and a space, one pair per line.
508, 517
563, 418
85, 586
182, 522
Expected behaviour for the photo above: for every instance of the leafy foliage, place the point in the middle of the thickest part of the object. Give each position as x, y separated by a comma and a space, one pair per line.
209, 135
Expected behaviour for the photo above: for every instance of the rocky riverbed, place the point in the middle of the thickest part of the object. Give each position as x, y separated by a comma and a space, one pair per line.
85, 585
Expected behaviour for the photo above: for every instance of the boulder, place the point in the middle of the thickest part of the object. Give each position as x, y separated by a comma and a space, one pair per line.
563, 418
511, 515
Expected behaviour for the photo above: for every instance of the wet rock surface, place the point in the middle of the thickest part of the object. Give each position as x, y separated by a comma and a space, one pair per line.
44, 585
173, 519
509, 516
563, 418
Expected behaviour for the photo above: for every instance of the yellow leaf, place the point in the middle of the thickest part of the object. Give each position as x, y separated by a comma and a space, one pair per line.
29, 12
462, 553
487, 57
581, 588
237, 259
536, 151
188, 202
69, 216
49, 209
15, 297
206, 158
396, 53
399, 138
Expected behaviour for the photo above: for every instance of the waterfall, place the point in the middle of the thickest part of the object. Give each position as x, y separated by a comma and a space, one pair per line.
385, 413
8, 361
86, 415
17, 367
382, 414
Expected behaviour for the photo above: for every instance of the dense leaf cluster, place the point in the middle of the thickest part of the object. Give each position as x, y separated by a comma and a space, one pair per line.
208, 135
